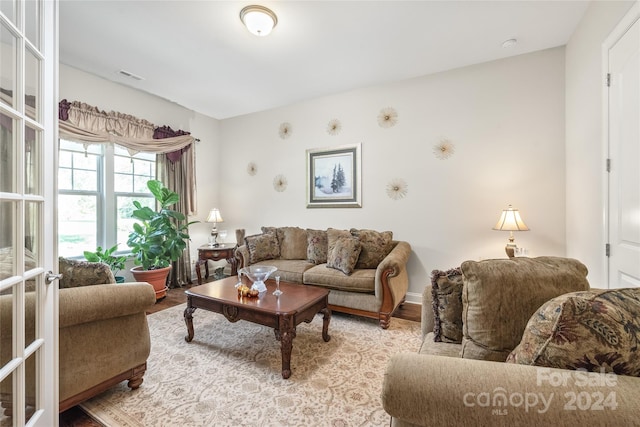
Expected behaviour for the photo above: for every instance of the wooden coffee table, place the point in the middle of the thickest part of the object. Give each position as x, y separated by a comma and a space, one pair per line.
297, 304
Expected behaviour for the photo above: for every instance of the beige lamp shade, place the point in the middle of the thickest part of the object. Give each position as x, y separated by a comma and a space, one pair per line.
214, 216
510, 221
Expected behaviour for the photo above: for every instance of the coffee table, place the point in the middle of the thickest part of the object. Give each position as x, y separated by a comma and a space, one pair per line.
297, 304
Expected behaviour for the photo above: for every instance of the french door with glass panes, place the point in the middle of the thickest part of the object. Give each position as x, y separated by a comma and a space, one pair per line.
28, 150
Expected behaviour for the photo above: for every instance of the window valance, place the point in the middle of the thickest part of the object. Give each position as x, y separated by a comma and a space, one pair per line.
87, 124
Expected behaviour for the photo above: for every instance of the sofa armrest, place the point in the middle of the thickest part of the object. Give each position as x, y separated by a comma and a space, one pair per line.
434, 390
427, 318
242, 255
392, 279
98, 302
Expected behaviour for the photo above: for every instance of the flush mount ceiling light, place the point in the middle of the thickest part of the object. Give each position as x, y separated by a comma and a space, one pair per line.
258, 19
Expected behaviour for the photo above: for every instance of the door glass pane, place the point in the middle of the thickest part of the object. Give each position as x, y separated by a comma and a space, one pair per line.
6, 398
8, 7
30, 387
33, 159
32, 221
32, 21
8, 68
77, 224
7, 256
7, 154
32, 85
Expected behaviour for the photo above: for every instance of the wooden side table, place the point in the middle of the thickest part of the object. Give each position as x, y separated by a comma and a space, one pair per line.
216, 253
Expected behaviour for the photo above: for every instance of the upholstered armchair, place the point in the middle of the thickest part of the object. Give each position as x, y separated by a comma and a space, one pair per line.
104, 336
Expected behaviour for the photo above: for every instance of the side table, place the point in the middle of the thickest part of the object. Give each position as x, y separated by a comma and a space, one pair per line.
216, 253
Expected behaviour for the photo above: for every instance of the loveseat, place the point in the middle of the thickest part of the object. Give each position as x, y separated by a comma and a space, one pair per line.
103, 332
519, 342
365, 270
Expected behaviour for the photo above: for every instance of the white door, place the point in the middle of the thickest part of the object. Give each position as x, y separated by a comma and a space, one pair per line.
28, 150
624, 155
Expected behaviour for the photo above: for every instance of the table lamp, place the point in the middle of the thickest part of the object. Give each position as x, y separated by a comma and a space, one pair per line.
510, 221
215, 218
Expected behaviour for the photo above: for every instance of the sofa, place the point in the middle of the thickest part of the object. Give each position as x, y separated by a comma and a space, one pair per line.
519, 342
103, 332
365, 270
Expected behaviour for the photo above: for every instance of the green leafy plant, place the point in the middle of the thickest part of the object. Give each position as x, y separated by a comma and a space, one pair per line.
160, 237
116, 263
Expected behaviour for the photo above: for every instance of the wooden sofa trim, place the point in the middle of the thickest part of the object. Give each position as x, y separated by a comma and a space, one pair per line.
134, 375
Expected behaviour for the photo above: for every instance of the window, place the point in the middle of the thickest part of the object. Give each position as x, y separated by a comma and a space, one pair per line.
97, 187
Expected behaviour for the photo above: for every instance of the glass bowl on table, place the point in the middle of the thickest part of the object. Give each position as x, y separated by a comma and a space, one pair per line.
258, 274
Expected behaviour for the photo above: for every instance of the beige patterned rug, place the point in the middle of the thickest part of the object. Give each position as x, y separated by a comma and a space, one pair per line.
229, 375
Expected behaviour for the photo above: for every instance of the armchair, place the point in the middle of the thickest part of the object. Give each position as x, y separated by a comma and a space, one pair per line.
104, 336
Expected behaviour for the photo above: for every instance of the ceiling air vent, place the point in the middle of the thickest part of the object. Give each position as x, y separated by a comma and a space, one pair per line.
131, 75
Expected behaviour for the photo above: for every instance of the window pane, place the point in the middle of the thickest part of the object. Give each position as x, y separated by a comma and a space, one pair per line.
64, 179
77, 224
33, 157
122, 165
123, 183
85, 161
8, 69
32, 85
31, 229
7, 154
85, 180
124, 222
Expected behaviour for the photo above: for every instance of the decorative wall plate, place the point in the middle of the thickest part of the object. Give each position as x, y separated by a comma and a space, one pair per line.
285, 130
444, 149
252, 168
334, 127
397, 188
280, 183
388, 117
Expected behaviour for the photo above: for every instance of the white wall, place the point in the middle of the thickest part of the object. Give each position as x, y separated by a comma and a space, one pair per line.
76, 85
585, 144
506, 119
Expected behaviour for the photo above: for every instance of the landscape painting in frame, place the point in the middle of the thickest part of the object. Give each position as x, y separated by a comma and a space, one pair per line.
333, 177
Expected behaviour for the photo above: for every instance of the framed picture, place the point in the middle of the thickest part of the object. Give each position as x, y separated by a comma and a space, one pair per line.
334, 177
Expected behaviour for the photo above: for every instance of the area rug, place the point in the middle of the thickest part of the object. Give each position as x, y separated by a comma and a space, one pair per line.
230, 374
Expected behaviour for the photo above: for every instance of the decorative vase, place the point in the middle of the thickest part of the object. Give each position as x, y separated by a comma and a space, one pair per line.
157, 278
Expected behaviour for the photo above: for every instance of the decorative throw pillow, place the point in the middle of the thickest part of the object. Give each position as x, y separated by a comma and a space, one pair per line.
317, 246
500, 295
83, 273
446, 290
332, 237
596, 330
375, 246
344, 255
262, 246
293, 242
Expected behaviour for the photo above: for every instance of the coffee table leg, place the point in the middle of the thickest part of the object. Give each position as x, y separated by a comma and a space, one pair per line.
325, 324
285, 333
188, 319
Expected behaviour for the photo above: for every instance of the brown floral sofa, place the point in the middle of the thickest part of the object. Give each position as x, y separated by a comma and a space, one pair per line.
103, 339
571, 352
364, 269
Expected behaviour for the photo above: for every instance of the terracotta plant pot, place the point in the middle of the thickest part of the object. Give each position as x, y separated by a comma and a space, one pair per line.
157, 278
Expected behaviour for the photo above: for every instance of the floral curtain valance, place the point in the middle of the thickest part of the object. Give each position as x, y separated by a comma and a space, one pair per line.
87, 124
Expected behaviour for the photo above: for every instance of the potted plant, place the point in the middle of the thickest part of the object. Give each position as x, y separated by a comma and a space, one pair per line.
115, 263
158, 238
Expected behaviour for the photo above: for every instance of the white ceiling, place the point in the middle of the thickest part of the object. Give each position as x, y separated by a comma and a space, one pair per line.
199, 55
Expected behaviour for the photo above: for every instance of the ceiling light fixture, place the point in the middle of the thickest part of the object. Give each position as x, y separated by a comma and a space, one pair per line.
258, 19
